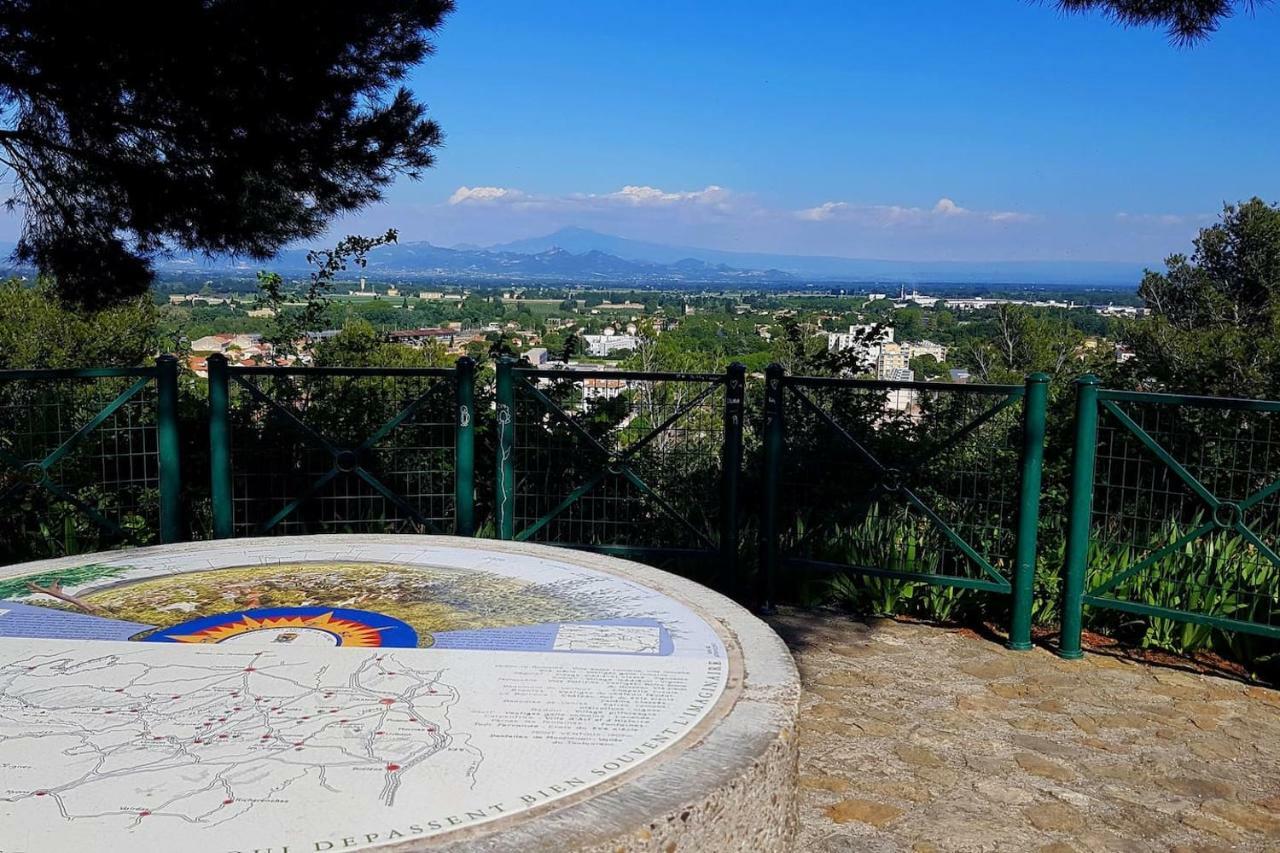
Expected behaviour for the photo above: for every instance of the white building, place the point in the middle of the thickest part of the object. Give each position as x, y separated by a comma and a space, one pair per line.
224, 342
859, 336
605, 345
919, 348
894, 360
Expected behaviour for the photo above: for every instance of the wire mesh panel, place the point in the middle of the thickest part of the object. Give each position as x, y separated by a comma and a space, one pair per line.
621, 461
917, 481
79, 461
334, 450
1185, 521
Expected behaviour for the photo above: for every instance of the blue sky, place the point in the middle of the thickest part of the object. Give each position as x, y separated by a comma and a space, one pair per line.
905, 129
929, 129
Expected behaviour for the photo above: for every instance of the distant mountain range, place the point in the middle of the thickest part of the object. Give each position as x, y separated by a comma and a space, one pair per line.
837, 268
580, 254
422, 259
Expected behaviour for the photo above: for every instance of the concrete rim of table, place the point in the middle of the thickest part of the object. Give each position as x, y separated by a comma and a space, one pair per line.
728, 785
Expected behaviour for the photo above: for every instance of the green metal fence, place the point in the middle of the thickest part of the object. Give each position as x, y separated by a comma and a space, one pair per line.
314, 449
88, 459
913, 481
638, 464
1174, 505
1175, 513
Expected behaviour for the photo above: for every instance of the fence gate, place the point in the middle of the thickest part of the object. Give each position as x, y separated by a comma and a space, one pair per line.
319, 449
1175, 512
637, 464
926, 482
88, 459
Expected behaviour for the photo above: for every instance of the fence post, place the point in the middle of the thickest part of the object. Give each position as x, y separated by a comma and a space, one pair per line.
506, 408
464, 473
169, 448
1079, 520
773, 443
731, 464
220, 447
1035, 403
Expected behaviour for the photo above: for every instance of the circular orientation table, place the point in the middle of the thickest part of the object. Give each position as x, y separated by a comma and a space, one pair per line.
326, 693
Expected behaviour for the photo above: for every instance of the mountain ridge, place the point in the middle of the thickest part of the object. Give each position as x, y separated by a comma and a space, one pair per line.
834, 267
583, 254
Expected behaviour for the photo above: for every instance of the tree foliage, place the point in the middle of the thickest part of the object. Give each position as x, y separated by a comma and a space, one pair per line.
221, 126
1214, 324
1186, 21
359, 344
292, 326
38, 331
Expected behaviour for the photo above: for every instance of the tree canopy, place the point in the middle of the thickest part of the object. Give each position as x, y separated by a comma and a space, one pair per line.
212, 126
38, 331
1215, 316
1185, 20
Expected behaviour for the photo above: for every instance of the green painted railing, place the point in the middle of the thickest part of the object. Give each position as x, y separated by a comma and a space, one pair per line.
1174, 513
88, 458
931, 483
1173, 506
316, 449
631, 463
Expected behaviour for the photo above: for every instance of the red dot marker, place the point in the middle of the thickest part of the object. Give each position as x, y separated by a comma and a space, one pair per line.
393, 767
387, 701
41, 793
227, 802
143, 814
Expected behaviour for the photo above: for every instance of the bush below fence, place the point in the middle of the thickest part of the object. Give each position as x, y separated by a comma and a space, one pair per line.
900, 497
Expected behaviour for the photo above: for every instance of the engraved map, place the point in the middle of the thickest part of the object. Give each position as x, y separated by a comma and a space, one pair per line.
294, 729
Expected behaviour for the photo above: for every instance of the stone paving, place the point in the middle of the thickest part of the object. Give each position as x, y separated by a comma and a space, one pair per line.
915, 737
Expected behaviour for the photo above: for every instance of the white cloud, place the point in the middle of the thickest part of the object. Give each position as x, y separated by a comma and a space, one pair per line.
652, 195
894, 214
630, 196
1169, 219
484, 194
824, 211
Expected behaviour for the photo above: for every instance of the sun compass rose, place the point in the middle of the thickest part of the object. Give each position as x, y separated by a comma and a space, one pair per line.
298, 626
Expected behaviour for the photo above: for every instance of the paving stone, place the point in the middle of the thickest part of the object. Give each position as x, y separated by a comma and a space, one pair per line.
918, 738
1247, 816
822, 782
1197, 788
990, 669
1055, 817
1040, 766
918, 756
863, 811
1044, 746
1214, 826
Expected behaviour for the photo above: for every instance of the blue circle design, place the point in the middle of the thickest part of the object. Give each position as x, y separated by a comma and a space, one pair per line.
392, 632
